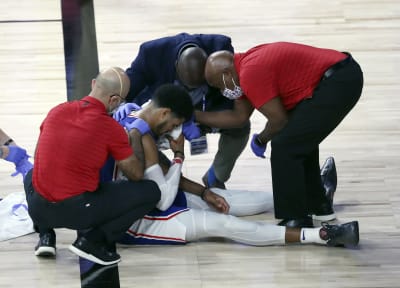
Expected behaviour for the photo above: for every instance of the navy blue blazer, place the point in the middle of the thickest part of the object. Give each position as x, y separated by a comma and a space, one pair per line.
155, 65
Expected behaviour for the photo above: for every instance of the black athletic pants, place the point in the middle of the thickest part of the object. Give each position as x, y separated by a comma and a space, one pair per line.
106, 213
295, 167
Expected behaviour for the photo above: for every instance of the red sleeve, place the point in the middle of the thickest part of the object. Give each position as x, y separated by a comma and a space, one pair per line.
119, 146
258, 85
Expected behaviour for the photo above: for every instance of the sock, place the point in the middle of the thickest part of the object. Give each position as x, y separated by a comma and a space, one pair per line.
311, 235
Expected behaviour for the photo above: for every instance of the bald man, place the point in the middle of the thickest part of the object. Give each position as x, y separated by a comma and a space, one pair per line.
63, 189
304, 92
180, 59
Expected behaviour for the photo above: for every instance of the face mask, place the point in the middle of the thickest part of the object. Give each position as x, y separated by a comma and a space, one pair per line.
232, 94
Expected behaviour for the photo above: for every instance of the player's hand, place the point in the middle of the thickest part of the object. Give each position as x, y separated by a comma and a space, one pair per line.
125, 110
257, 147
218, 202
140, 125
178, 144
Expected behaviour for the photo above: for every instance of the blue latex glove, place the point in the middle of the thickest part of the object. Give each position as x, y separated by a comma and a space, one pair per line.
124, 110
140, 125
190, 130
22, 167
16, 154
258, 149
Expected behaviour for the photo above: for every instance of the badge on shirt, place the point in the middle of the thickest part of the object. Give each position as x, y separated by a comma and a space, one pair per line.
199, 145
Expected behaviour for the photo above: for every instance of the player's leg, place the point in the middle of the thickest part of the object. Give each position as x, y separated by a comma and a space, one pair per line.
202, 224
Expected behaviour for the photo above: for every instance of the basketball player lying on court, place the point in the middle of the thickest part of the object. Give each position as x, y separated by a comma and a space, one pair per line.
197, 212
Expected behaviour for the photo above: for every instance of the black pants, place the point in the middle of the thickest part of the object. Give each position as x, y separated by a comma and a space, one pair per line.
109, 211
295, 167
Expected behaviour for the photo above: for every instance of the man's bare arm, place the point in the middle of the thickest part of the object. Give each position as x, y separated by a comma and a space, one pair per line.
133, 166
230, 118
277, 117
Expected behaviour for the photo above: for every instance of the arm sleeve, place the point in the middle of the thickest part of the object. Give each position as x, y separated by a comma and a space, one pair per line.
168, 183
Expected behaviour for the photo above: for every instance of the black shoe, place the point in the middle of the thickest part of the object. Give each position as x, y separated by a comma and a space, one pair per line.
46, 246
210, 180
329, 180
324, 212
94, 252
297, 223
341, 235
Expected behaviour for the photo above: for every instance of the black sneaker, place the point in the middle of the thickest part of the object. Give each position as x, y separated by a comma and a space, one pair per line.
346, 234
329, 180
46, 246
94, 252
324, 212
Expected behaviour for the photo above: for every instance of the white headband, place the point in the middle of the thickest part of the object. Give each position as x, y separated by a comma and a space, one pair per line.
120, 80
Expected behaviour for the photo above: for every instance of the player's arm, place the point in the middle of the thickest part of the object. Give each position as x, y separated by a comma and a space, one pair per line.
213, 199
232, 118
169, 182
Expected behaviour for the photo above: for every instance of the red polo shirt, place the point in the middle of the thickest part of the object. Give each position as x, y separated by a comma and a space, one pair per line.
75, 140
288, 70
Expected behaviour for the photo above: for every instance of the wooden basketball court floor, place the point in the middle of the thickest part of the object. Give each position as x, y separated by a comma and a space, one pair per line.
366, 145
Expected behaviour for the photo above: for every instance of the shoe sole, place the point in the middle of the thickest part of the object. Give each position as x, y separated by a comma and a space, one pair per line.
46, 251
328, 217
91, 257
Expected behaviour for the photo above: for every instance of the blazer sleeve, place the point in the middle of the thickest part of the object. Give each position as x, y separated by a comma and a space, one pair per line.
137, 74
215, 42
153, 66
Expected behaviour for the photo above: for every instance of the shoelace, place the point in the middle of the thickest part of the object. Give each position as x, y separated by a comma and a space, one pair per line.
327, 228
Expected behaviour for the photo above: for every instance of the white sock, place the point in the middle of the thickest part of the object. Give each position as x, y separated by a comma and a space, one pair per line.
311, 235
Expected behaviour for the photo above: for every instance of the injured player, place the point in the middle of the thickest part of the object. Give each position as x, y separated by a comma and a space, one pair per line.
199, 212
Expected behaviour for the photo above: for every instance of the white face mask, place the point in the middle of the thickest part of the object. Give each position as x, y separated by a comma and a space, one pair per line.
232, 94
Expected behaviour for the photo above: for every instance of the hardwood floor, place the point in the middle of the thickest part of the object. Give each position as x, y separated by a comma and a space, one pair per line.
366, 145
